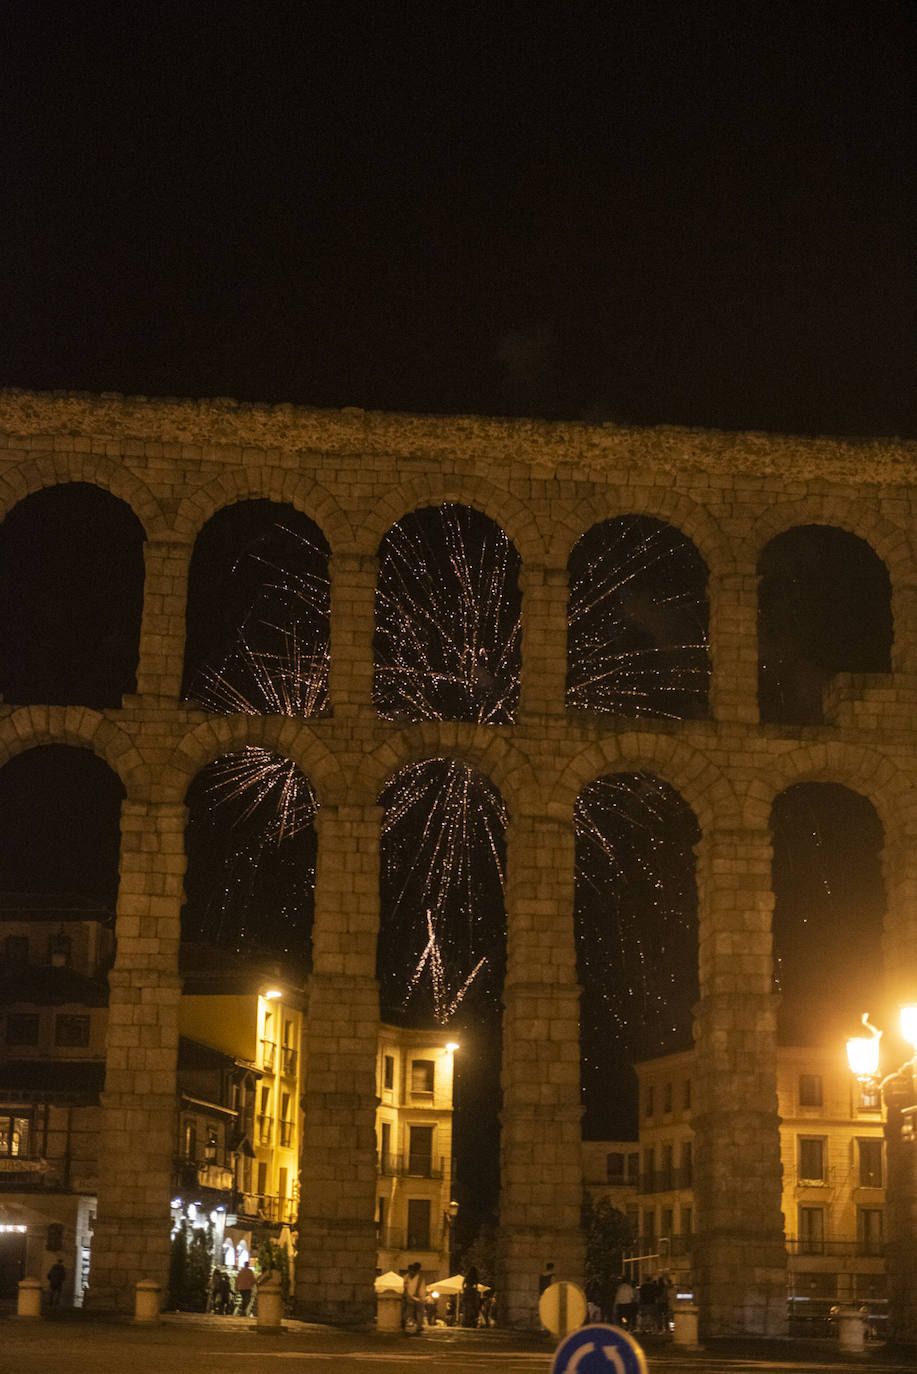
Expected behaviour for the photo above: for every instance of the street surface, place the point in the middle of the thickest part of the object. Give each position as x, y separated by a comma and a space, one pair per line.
185, 1344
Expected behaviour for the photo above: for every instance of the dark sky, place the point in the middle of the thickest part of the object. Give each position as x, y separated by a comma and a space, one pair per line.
646, 212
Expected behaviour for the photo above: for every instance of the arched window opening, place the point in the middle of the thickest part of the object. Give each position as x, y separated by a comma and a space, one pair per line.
442, 946
829, 905
71, 598
448, 631
636, 938
638, 619
258, 620
251, 847
60, 817
824, 607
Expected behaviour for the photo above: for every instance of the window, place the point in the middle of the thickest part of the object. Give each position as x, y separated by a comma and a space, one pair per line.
17, 949
386, 1150
72, 1031
283, 1182
649, 1168
262, 1181
190, 1141
811, 1159
633, 1220
614, 1168
211, 1149
686, 1095
687, 1164
22, 1028
870, 1099
14, 1135
649, 1226
668, 1167
422, 1076
633, 1167
649, 1101
687, 1220
667, 1098
420, 1151
811, 1230
870, 1157
870, 1239
388, 1072
59, 951
380, 1218
810, 1090
418, 1237
54, 1236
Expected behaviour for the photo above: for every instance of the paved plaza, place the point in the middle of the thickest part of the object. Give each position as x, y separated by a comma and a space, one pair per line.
186, 1344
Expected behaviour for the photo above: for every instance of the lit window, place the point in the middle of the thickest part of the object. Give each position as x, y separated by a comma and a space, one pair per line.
14, 1136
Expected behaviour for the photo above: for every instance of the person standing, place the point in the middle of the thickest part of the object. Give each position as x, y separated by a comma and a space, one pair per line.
625, 1307
245, 1287
546, 1278
56, 1275
471, 1298
415, 1297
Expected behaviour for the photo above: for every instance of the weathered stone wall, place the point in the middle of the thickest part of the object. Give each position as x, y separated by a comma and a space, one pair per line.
355, 474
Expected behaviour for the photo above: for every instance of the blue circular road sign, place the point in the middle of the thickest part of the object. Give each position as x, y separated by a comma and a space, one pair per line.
599, 1350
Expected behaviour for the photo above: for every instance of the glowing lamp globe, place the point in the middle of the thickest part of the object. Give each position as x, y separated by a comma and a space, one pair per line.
863, 1056
909, 1025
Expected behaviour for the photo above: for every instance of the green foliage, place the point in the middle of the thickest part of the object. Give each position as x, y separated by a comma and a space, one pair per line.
272, 1255
608, 1236
189, 1269
482, 1253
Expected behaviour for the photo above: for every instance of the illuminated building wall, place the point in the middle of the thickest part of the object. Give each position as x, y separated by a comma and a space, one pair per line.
355, 475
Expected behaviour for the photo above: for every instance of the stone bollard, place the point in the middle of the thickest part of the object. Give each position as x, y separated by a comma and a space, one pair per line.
389, 1308
851, 1329
146, 1300
28, 1299
684, 1325
270, 1306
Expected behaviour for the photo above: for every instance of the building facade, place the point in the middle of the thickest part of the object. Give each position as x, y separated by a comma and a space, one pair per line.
832, 1150
175, 464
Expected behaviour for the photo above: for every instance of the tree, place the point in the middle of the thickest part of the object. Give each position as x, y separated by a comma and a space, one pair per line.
608, 1235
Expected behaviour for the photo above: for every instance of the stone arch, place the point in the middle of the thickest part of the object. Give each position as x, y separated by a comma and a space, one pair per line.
32, 726
284, 485
696, 778
285, 735
502, 762
855, 766
888, 541
59, 469
515, 518
666, 504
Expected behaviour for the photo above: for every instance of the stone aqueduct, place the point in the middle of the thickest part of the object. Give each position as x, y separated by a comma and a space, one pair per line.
175, 463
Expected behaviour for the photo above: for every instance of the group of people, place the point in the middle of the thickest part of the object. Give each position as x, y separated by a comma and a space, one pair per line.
471, 1307
646, 1308
224, 1300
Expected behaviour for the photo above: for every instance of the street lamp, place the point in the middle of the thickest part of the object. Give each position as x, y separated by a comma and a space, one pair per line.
449, 1216
898, 1089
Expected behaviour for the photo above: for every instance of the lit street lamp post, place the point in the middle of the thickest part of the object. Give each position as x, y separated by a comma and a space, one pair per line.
900, 1096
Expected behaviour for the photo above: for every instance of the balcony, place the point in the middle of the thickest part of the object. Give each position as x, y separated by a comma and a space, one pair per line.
866, 1247
268, 1054
269, 1206
289, 1058
411, 1166
265, 1130
286, 1134
667, 1181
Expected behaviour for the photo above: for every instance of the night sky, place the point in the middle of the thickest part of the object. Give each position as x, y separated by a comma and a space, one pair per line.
644, 212
650, 213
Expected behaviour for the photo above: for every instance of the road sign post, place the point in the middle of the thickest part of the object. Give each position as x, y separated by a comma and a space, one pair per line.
562, 1308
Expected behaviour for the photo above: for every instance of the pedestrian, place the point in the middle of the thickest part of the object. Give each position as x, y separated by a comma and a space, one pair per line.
546, 1278
56, 1275
471, 1299
625, 1307
245, 1287
663, 1302
647, 1313
415, 1297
